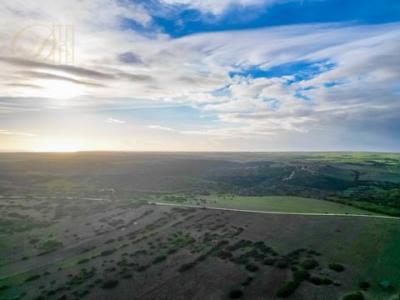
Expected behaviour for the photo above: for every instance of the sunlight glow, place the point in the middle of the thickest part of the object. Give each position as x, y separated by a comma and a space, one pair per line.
60, 145
58, 89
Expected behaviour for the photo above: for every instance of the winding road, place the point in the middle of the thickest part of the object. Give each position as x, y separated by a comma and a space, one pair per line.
275, 212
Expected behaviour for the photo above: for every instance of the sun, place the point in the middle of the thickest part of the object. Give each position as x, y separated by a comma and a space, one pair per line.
60, 145
57, 89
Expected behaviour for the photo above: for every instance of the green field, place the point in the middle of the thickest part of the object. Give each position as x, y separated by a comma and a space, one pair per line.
268, 203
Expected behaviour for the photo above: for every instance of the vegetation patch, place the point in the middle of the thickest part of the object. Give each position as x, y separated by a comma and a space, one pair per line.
109, 284
287, 289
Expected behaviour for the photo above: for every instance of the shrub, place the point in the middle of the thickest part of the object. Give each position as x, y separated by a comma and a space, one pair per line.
364, 285
300, 275
107, 252
33, 277
287, 289
316, 280
310, 264
252, 268
186, 267
269, 261
354, 296
336, 267
159, 259
235, 294
142, 268
109, 284
247, 281
83, 260
282, 264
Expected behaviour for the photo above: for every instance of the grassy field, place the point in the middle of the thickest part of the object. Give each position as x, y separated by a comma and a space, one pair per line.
268, 203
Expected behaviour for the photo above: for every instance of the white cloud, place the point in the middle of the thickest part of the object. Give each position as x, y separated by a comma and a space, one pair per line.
16, 133
115, 121
194, 70
163, 128
217, 7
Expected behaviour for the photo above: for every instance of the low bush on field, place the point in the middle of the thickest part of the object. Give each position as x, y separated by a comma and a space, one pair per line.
109, 284
300, 275
320, 281
287, 289
159, 259
354, 296
364, 285
186, 267
252, 268
336, 267
235, 294
83, 260
107, 252
33, 277
309, 264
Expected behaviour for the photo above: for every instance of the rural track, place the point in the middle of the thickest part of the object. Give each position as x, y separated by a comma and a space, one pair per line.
275, 212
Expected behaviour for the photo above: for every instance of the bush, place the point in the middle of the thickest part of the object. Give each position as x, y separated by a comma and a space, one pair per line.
336, 267
300, 275
364, 285
252, 268
107, 252
109, 284
287, 289
354, 296
269, 261
320, 281
83, 260
186, 267
33, 277
282, 264
159, 259
235, 294
310, 264
316, 280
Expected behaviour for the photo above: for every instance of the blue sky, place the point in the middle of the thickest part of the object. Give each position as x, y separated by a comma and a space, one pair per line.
183, 19
201, 75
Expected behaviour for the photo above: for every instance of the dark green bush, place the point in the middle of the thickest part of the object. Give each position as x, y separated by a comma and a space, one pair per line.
186, 267
159, 259
252, 268
300, 275
354, 296
310, 264
107, 252
364, 285
83, 260
109, 284
269, 261
316, 280
235, 294
33, 277
282, 264
287, 289
336, 267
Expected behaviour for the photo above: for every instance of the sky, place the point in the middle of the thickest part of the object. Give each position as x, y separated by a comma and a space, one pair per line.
200, 75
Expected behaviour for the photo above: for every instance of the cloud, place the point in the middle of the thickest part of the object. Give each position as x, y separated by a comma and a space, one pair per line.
16, 133
118, 66
41, 75
115, 121
163, 128
129, 58
220, 6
